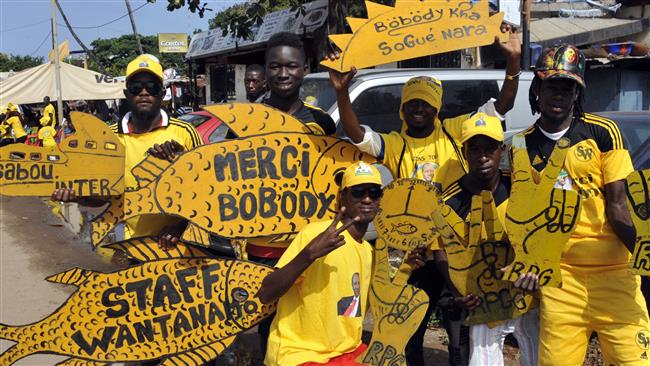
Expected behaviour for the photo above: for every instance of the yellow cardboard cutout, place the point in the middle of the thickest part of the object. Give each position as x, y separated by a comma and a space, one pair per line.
638, 202
414, 29
185, 310
270, 184
540, 219
476, 252
397, 310
248, 119
91, 161
404, 218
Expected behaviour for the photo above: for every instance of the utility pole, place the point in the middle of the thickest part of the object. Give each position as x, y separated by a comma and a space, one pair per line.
89, 53
135, 31
525, 36
57, 65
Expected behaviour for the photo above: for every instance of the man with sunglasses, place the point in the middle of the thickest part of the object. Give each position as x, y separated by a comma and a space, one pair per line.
327, 264
147, 129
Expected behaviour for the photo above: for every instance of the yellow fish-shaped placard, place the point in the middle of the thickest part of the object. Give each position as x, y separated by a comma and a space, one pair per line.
91, 161
179, 306
414, 29
476, 252
638, 202
540, 219
404, 218
271, 183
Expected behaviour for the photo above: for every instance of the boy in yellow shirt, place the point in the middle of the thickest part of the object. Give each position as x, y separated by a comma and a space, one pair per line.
46, 136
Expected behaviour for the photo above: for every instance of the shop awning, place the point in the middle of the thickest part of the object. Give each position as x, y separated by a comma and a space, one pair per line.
581, 31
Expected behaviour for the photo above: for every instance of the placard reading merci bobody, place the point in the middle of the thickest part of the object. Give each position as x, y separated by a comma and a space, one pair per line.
413, 29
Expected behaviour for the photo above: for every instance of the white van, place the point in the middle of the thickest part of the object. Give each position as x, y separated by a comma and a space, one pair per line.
376, 94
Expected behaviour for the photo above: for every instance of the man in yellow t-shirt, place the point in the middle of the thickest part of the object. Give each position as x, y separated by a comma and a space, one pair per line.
147, 129
322, 281
49, 114
425, 143
598, 292
13, 125
46, 136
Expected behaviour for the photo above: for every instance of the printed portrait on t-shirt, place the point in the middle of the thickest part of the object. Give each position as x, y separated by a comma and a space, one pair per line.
351, 305
564, 181
426, 171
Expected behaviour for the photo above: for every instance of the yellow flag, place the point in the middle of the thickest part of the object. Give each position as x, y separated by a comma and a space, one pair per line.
64, 51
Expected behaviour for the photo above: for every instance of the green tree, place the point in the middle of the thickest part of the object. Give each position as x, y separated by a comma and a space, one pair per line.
17, 62
114, 54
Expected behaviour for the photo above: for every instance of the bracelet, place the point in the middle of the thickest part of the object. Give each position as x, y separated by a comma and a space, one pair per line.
513, 77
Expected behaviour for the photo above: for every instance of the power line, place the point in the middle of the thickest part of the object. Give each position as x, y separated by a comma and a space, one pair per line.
42, 42
114, 20
26, 25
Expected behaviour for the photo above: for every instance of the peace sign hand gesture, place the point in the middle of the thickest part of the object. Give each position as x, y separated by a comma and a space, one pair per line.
329, 239
540, 218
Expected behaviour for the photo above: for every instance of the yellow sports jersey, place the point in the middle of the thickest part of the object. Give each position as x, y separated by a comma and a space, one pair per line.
14, 123
46, 134
320, 123
321, 316
436, 158
597, 157
46, 120
136, 146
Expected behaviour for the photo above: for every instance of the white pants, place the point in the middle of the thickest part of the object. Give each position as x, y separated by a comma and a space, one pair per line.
486, 344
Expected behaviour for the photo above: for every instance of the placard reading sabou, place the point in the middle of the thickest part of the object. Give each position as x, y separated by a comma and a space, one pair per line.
414, 29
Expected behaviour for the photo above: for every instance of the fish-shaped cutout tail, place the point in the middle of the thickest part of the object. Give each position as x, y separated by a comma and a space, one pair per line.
74, 276
80, 362
199, 356
247, 119
148, 170
107, 220
146, 249
196, 235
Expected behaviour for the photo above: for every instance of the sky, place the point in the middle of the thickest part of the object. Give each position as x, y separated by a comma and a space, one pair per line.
25, 24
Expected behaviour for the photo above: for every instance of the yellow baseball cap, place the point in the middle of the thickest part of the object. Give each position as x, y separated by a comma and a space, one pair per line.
426, 88
12, 107
360, 173
145, 63
482, 124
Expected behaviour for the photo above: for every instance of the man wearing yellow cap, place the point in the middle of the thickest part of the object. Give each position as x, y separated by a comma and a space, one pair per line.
424, 139
482, 139
147, 129
322, 281
13, 125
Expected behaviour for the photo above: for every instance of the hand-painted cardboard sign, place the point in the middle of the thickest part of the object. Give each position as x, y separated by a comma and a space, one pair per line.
397, 310
91, 161
476, 252
271, 183
179, 306
404, 218
540, 219
413, 29
638, 202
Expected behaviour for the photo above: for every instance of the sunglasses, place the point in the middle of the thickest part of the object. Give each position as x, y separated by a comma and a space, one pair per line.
151, 88
360, 192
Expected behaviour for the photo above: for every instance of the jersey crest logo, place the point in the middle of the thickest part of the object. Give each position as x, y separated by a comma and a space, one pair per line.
642, 339
584, 153
537, 160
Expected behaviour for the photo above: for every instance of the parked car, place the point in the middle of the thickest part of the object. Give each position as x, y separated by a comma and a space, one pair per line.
376, 95
211, 128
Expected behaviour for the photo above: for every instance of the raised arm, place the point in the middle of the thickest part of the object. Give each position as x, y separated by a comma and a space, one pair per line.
512, 51
280, 281
341, 83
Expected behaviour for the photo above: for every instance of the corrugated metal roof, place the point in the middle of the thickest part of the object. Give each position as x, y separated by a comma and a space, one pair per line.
581, 31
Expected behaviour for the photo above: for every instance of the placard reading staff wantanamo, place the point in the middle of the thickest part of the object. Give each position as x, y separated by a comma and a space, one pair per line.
179, 306
413, 29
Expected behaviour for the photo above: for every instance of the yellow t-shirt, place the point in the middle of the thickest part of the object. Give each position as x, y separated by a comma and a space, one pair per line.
437, 158
46, 134
16, 126
46, 120
136, 146
597, 157
318, 318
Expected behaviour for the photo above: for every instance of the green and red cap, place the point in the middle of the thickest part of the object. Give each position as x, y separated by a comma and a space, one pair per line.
565, 61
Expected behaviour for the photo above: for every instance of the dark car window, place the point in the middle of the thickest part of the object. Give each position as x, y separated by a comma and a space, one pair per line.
318, 92
219, 134
378, 107
194, 119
